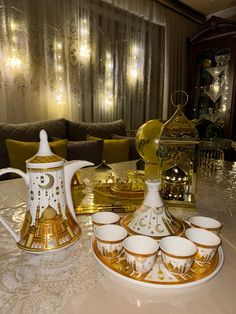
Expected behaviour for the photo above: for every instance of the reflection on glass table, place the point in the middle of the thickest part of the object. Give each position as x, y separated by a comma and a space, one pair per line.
118, 189
211, 153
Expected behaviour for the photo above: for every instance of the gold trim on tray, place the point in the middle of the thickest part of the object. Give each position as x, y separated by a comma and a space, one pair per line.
159, 275
113, 192
126, 193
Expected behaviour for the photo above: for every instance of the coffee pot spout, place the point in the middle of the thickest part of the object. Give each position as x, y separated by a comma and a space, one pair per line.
69, 169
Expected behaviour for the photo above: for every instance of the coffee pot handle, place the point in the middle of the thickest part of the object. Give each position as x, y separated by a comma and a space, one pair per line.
26, 178
16, 171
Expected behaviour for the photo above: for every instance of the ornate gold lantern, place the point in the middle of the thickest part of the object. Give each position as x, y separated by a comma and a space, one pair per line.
174, 183
170, 156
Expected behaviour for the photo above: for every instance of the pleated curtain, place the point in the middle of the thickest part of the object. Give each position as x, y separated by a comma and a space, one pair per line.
93, 61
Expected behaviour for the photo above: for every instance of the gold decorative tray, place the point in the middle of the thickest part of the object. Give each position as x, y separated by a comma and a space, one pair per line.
104, 199
113, 192
159, 277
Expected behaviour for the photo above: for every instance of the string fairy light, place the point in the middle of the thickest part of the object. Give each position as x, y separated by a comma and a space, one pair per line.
84, 49
134, 64
14, 63
109, 81
59, 68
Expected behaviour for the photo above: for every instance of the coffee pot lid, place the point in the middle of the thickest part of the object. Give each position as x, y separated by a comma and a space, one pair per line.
44, 154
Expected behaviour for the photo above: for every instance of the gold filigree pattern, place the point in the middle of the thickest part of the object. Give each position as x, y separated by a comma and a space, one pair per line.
178, 126
179, 232
44, 159
49, 232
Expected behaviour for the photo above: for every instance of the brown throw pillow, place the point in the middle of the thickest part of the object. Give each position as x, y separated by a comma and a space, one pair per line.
85, 150
77, 131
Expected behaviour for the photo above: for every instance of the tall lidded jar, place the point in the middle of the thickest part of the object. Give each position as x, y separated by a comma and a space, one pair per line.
152, 218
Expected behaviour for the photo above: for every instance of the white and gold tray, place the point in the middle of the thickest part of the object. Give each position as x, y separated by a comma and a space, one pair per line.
159, 277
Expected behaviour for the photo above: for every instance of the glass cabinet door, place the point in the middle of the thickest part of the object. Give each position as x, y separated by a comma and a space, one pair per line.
211, 85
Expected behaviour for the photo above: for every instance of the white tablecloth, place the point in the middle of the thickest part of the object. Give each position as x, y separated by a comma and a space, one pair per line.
71, 281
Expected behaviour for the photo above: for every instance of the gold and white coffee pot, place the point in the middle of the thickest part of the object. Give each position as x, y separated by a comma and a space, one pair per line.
50, 222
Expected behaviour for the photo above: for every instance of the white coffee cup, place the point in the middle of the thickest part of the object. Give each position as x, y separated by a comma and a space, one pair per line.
177, 254
104, 218
207, 223
206, 241
109, 239
140, 253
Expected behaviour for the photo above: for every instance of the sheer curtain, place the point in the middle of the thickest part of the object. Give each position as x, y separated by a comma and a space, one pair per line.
178, 29
82, 60
90, 60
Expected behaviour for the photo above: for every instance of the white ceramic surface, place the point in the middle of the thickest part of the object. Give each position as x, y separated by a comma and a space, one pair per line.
140, 252
109, 239
206, 241
48, 180
206, 223
177, 254
152, 198
152, 218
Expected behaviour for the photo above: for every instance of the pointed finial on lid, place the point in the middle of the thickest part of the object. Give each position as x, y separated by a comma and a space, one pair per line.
44, 148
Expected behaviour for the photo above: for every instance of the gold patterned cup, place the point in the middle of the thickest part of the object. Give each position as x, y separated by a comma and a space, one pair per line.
109, 239
140, 253
206, 241
104, 218
206, 223
177, 254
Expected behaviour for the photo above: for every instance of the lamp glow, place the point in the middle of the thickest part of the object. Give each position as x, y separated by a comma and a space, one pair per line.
84, 51
13, 26
59, 46
59, 68
224, 108
133, 73
14, 62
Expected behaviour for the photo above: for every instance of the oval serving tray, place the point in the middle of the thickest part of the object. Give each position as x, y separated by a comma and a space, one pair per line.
159, 277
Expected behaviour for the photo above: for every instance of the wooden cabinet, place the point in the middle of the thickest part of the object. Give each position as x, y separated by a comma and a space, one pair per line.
212, 75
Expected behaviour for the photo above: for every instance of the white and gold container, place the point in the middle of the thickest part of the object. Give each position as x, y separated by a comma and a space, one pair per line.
177, 254
140, 253
50, 221
206, 241
109, 239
